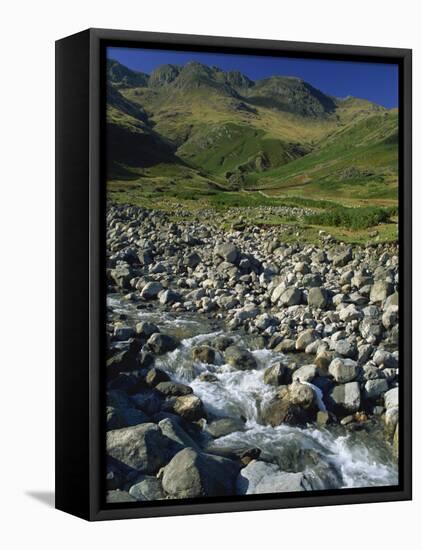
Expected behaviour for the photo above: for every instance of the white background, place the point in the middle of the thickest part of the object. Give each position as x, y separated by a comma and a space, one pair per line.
27, 37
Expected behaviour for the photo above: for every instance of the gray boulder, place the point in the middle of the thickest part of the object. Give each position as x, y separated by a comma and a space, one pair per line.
261, 477
343, 370
191, 474
345, 398
161, 343
228, 252
380, 291
240, 358
151, 290
143, 447
317, 298
375, 388
147, 488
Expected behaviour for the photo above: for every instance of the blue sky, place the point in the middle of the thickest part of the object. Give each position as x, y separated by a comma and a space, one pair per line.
376, 82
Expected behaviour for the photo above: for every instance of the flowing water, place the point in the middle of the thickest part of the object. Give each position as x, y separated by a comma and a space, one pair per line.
334, 456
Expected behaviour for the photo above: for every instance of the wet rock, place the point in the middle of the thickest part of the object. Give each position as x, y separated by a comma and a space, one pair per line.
240, 358
145, 329
169, 297
204, 354
191, 474
174, 389
143, 447
155, 376
277, 375
173, 430
295, 406
262, 477
162, 343
224, 426
189, 407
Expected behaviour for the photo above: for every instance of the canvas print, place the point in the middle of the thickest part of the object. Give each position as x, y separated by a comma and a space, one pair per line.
252, 274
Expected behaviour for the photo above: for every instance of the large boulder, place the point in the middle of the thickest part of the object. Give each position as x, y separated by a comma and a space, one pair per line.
124, 417
151, 290
295, 405
204, 354
343, 370
224, 426
189, 407
143, 448
317, 297
240, 358
346, 398
391, 398
380, 291
375, 388
161, 343
277, 375
174, 389
147, 488
228, 252
261, 477
290, 297
305, 338
192, 474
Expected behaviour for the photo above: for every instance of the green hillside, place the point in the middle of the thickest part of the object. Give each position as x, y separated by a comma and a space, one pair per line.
196, 132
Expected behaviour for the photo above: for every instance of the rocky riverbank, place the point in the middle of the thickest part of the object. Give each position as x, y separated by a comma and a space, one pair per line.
238, 364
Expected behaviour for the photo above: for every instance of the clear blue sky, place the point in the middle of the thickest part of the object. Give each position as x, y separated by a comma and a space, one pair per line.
376, 82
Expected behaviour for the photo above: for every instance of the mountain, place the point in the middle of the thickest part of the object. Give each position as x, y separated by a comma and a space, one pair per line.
202, 127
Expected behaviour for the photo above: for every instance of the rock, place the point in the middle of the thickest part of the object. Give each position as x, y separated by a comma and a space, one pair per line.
147, 488
346, 348
224, 426
143, 447
123, 333
168, 297
261, 477
391, 398
151, 290
305, 338
189, 407
322, 418
240, 358
191, 474
295, 406
343, 258
161, 343
155, 376
317, 298
277, 375
322, 361
145, 329
371, 330
124, 417
174, 431
375, 388
385, 359
391, 419
204, 354
343, 370
350, 313
346, 397
174, 389
117, 496
286, 346
290, 297
228, 252
121, 276
380, 291
193, 260
306, 373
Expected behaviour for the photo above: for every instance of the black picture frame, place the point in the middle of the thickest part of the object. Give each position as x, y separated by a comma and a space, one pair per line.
80, 284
